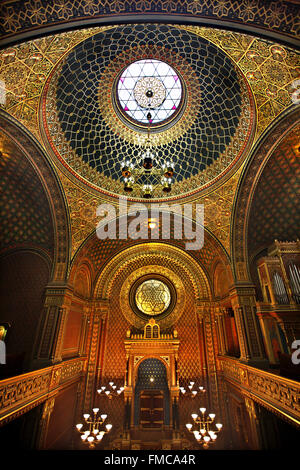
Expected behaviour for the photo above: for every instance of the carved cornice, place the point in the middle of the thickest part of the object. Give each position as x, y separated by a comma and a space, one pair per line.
268, 18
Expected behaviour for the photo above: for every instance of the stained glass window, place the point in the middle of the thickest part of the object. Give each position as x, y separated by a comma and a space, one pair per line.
152, 297
149, 91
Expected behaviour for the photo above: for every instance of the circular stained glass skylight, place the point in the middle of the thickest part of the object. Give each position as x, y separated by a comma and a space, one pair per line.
149, 91
152, 297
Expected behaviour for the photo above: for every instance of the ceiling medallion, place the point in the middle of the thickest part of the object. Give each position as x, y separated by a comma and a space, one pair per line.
149, 92
87, 125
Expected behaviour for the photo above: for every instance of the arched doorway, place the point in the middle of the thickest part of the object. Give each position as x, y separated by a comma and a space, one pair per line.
151, 396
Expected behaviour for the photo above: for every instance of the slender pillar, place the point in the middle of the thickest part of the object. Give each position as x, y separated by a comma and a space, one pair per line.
44, 423
250, 339
221, 332
254, 423
206, 316
99, 311
48, 346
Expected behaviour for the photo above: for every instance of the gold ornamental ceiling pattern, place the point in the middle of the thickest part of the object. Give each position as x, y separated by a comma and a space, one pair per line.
91, 140
269, 70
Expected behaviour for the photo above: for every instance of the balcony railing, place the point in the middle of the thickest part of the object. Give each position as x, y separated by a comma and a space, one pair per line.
23, 392
278, 394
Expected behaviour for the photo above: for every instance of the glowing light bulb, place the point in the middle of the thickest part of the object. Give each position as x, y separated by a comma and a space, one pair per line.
189, 426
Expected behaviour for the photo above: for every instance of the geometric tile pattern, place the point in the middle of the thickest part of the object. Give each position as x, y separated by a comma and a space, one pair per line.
188, 360
216, 138
275, 210
100, 252
24, 69
20, 16
269, 68
25, 211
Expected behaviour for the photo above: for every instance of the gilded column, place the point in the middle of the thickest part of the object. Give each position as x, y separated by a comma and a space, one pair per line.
84, 330
254, 423
250, 339
48, 348
221, 333
98, 317
205, 313
44, 423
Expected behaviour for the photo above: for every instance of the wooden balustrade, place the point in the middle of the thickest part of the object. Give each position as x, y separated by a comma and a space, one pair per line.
279, 394
21, 393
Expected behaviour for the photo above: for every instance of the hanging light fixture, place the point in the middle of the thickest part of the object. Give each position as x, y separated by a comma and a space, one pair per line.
111, 390
206, 430
96, 428
148, 172
192, 390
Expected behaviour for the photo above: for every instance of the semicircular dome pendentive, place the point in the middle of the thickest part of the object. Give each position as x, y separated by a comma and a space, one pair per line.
91, 135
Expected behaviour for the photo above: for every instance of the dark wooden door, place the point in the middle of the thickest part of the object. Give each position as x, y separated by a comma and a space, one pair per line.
151, 409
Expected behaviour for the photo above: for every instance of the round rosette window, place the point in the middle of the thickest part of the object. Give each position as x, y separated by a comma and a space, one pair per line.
149, 91
152, 297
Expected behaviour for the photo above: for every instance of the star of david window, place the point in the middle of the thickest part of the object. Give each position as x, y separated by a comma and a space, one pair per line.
152, 297
149, 91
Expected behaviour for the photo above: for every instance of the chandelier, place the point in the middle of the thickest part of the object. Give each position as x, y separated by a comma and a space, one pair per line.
205, 429
147, 172
189, 390
110, 391
96, 428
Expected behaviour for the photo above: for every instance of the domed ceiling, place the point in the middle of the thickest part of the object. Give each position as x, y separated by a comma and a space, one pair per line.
95, 116
31, 72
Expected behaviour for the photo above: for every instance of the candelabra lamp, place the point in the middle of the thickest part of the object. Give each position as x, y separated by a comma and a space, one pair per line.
96, 428
192, 390
111, 390
205, 429
148, 172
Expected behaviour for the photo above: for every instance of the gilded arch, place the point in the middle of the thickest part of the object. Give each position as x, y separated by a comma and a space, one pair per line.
247, 185
21, 20
52, 188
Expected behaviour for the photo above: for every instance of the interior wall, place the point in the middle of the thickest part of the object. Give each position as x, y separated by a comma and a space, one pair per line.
23, 278
61, 423
73, 330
